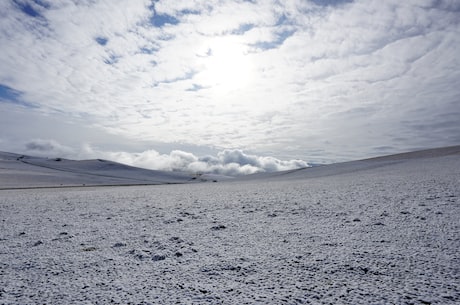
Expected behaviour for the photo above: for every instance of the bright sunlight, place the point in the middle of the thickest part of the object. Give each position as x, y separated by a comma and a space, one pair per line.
226, 65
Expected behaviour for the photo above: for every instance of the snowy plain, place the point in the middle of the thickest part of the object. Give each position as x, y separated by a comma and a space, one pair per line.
378, 231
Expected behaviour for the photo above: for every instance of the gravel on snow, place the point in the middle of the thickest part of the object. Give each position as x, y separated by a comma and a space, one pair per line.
388, 235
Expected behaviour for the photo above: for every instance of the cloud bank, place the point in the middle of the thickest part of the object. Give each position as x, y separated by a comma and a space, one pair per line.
227, 162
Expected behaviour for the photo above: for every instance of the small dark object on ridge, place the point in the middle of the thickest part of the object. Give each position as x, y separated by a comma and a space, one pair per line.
219, 227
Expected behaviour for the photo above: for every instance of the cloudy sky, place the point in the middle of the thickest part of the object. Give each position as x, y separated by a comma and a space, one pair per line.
144, 81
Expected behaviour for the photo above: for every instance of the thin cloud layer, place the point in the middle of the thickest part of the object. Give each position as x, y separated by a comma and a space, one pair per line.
319, 80
228, 162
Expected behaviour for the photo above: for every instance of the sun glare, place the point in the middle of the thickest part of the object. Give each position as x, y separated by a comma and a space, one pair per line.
225, 66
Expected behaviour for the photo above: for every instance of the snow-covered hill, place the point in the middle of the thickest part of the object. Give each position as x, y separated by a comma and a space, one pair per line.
19, 171
417, 157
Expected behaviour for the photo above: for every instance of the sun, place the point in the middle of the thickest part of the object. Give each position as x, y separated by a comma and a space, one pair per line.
225, 65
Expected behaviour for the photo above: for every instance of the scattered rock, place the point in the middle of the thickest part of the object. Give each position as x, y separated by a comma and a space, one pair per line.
89, 249
231, 268
140, 254
176, 239
117, 245
331, 244
364, 269
219, 227
158, 257
173, 220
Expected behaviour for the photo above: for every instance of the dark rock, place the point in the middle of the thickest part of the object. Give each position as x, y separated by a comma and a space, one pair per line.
158, 257
117, 245
219, 227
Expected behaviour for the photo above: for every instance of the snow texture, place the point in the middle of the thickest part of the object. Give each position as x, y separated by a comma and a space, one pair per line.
382, 231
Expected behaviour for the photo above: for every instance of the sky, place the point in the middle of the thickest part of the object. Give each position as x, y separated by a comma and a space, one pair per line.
228, 86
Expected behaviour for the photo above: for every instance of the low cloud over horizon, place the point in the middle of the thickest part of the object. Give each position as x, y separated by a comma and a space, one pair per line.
231, 162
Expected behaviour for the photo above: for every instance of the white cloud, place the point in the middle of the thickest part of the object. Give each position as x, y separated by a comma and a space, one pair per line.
227, 162
312, 70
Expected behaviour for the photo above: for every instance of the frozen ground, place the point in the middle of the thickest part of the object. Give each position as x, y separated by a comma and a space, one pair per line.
383, 231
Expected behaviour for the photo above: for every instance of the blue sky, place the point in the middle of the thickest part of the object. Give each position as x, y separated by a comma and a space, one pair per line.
319, 81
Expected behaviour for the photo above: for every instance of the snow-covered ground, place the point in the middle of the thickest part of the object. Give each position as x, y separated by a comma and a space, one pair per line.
382, 231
